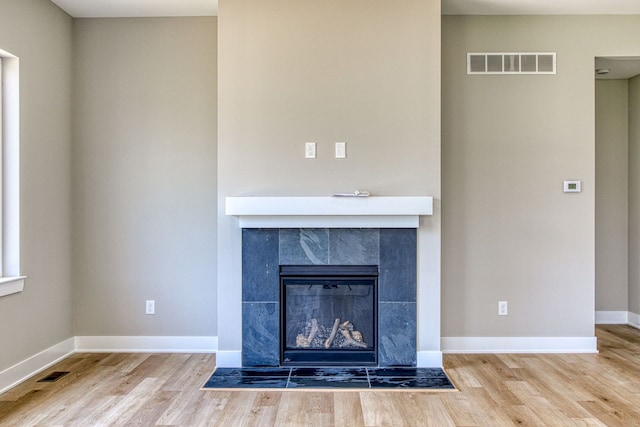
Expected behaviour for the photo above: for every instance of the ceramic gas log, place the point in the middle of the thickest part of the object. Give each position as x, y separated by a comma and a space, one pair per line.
319, 336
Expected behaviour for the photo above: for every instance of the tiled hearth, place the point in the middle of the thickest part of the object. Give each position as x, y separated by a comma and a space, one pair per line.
392, 250
330, 378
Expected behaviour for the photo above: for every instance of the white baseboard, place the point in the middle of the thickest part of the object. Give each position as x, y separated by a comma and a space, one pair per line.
634, 320
618, 318
18, 373
612, 317
519, 345
133, 344
429, 359
229, 359
21, 371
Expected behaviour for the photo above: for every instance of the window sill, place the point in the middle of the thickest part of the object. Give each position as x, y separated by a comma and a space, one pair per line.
11, 285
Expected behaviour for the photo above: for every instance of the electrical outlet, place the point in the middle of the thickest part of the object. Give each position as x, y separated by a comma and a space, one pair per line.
310, 150
150, 307
503, 308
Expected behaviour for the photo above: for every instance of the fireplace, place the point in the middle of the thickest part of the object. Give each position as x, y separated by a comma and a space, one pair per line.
388, 253
261, 233
328, 315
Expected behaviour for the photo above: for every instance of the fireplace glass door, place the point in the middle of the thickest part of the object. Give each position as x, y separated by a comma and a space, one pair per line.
328, 315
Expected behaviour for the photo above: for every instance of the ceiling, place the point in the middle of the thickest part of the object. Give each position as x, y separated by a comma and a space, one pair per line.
619, 68
540, 7
137, 8
140, 8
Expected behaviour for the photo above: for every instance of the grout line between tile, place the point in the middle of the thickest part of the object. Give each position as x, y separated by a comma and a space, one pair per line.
289, 377
368, 378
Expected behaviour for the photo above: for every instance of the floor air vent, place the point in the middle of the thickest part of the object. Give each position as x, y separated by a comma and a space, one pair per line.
54, 376
511, 63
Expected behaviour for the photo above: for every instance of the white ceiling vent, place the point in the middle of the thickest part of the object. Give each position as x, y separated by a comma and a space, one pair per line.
511, 63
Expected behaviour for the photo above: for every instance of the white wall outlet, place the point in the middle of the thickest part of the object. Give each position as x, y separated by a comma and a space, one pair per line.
341, 150
503, 308
310, 150
150, 307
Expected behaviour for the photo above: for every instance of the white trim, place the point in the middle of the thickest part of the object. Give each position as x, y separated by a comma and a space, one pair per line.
22, 371
519, 344
328, 212
12, 281
151, 344
369, 221
634, 320
329, 206
430, 359
31, 366
229, 359
11, 285
618, 318
612, 317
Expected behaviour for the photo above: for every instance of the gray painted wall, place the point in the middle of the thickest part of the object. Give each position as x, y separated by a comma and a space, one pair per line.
40, 316
509, 232
144, 176
363, 72
634, 195
144, 158
612, 207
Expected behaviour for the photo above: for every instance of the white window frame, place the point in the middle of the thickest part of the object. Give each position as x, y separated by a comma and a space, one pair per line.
11, 281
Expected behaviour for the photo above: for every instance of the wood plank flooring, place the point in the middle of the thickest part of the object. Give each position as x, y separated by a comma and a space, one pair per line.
493, 390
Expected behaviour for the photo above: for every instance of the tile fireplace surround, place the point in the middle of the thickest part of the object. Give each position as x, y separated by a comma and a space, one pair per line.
392, 250
380, 231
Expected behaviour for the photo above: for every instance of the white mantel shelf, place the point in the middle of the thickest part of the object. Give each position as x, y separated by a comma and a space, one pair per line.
329, 212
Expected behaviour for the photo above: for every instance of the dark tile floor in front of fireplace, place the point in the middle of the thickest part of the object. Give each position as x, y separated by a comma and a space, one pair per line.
329, 377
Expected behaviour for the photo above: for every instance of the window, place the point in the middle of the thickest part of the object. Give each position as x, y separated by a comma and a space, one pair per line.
11, 281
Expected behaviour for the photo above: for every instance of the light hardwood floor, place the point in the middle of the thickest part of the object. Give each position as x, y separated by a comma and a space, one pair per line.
493, 390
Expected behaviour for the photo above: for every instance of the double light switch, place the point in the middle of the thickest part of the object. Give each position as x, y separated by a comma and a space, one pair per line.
310, 150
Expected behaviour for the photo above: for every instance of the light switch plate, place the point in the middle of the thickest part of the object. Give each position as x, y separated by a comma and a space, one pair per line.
341, 150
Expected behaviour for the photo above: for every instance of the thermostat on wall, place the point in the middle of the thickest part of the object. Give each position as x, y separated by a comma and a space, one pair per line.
572, 186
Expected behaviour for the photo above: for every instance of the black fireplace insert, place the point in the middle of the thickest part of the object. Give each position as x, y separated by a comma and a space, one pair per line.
329, 315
